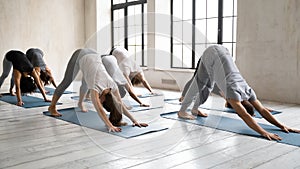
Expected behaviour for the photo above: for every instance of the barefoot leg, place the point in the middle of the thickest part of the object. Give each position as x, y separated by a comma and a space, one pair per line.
81, 106
53, 111
185, 115
199, 113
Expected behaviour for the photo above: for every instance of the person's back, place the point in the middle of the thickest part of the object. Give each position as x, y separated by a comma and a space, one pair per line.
35, 56
19, 61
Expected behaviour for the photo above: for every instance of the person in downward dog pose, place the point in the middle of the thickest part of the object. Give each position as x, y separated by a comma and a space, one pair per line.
247, 105
35, 56
217, 68
103, 90
131, 71
112, 68
23, 71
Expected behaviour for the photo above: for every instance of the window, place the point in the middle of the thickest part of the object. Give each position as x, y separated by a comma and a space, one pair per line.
129, 27
197, 24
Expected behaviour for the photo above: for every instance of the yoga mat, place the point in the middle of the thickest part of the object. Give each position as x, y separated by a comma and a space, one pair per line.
237, 126
29, 101
224, 109
135, 107
77, 98
51, 91
145, 95
230, 110
92, 120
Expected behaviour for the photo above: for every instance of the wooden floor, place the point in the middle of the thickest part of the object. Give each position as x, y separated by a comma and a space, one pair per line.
28, 139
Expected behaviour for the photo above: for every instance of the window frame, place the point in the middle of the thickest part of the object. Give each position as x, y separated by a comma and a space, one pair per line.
125, 6
220, 28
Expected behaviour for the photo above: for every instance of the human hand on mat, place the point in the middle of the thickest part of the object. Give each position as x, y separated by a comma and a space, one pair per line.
271, 136
287, 129
114, 129
139, 124
20, 103
144, 105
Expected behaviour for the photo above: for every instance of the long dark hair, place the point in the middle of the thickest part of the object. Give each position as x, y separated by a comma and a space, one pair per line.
27, 84
115, 117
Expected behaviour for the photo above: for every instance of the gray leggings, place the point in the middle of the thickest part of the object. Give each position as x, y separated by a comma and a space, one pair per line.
71, 72
7, 65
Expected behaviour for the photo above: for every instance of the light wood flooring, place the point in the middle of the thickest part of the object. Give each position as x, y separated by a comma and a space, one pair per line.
30, 140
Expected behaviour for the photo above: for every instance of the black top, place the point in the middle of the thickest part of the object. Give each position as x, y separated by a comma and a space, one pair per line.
19, 61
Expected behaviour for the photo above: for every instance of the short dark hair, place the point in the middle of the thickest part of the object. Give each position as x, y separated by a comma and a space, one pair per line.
115, 117
45, 76
27, 84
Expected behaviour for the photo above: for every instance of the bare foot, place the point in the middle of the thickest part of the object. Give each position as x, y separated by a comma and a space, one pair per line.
199, 113
54, 112
82, 108
185, 115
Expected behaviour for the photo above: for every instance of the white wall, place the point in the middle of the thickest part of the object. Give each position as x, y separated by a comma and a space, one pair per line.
55, 26
268, 48
160, 75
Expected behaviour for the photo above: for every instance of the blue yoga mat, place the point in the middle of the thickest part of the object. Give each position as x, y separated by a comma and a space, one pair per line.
92, 120
237, 126
51, 91
135, 107
29, 101
224, 109
150, 95
77, 98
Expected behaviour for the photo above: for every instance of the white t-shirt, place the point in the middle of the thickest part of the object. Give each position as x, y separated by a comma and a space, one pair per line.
127, 66
95, 74
111, 65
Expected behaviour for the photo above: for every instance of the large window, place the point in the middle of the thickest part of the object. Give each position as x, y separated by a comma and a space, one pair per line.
197, 24
129, 26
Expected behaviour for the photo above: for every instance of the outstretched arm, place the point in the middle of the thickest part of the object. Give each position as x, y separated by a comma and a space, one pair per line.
123, 109
241, 111
134, 96
17, 79
145, 83
38, 82
98, 106
265, 113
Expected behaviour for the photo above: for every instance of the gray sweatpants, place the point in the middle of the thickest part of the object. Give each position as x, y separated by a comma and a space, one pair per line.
72, 71
7, 65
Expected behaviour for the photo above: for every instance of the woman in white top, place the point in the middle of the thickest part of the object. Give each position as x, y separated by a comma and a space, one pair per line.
112, 68
217, 68
103, 90
132, 72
